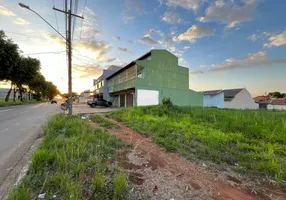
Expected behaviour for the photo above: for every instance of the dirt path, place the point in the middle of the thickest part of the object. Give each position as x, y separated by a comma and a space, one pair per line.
162, 175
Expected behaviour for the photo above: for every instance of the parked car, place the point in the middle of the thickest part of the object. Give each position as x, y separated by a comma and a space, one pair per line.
98, 102
53, 101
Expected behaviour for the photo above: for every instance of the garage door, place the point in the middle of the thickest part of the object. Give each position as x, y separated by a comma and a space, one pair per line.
147, 97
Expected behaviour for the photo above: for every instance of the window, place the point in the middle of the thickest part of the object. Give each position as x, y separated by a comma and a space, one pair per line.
140, 70
102, 83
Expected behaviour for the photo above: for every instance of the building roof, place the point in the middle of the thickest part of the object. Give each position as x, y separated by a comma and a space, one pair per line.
281, 101
129, 65
133, 62
212, 92
121, 70
229, 94
262, 99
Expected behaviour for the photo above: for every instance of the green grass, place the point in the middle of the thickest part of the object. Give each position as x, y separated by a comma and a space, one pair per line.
249, 141
12, 103
103, 122
72, 163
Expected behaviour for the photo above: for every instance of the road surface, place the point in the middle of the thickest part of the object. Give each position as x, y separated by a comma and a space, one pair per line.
19, 128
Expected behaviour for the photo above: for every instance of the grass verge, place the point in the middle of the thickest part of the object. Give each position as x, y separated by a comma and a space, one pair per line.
102, 122
12, 103
73, 163
249, 141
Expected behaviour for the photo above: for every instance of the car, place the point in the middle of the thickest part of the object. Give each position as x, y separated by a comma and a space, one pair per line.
53, 101
99, 102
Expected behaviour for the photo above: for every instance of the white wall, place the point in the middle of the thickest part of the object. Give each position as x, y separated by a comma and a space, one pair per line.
214, 101
147, 97
242, 100
276, 107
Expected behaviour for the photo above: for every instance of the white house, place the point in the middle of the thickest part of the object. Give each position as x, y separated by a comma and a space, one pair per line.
214, 98
277, 104
233, 98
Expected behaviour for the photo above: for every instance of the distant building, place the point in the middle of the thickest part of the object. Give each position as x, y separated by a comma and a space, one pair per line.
4, 91
149, 79
214, 98
232, 98
100, 84
262, 101
277, 104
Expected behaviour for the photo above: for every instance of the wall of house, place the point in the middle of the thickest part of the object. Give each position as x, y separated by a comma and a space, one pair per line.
276, 107
163, 74
214, 101
242, 100
104, 88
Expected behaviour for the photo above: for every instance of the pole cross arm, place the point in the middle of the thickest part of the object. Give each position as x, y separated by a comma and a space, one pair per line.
68, 13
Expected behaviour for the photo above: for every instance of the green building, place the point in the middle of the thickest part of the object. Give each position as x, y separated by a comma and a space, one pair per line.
150, 78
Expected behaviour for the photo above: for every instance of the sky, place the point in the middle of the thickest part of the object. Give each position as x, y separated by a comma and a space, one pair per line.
224, 43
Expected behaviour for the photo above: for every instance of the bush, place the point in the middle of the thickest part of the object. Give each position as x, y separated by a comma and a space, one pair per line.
167, 101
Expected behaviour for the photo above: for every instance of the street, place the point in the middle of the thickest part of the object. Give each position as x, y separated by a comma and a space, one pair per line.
19, 127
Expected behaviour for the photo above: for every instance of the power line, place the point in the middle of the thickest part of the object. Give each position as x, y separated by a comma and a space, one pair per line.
82, 21
56, 15
74, 20
51, 52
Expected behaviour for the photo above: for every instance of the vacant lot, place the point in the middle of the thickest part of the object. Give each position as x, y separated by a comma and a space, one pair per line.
248, 141
73, 162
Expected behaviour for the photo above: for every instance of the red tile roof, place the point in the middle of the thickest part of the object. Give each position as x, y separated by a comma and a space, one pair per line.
281, 101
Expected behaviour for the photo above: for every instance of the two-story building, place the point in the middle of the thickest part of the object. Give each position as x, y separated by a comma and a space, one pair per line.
150, 78
100, 84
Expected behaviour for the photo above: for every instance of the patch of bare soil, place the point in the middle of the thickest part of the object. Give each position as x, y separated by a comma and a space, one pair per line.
157, 174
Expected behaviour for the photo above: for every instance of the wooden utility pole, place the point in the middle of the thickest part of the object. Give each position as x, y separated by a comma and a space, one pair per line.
69, 50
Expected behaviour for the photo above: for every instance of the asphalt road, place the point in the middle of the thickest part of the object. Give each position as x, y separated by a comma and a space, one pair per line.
19, 128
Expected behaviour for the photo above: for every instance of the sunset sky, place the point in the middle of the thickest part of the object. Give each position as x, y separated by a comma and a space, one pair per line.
224, 43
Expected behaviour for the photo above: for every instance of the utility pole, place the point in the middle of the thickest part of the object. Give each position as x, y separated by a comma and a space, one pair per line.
69, 49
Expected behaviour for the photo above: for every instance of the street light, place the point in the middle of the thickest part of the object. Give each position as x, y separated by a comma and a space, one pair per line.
28, 7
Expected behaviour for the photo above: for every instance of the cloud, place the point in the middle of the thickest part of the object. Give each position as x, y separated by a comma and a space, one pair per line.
89, 31
196, 72
86, 71
90, 24
196, 32
168, 40
91, 48
116, 38
276, 40
203, 66
112, 60
172, 49
186, 47
253, 37
132, 7
172, 17
127, 17
152, 32
130, 41
186, 4
124, 50
6, 12
259, 59
21, 21
148, 41
230, 14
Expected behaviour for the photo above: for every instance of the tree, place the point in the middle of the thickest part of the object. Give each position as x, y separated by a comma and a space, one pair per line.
37, 86
51, 90
9, 58
276, 94
25, 71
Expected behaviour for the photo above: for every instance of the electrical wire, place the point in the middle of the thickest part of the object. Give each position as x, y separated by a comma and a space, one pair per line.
74, 19
56, 16
51, 52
